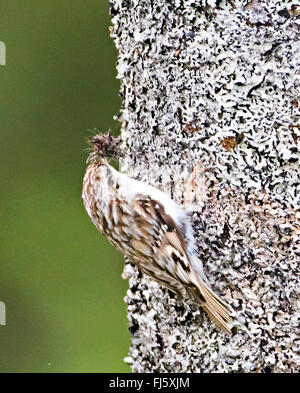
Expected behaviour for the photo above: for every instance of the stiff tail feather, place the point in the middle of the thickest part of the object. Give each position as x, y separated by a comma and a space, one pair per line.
214, 306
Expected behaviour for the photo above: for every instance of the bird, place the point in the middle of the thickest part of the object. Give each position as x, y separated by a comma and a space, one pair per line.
149, 228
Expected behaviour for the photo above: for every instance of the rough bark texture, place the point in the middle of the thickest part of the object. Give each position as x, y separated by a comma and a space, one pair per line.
216, 83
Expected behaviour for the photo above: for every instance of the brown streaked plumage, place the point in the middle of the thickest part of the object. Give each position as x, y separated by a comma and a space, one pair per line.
149, 228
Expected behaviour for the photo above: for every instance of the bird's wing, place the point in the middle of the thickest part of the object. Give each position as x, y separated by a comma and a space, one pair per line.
164, 257
159, 237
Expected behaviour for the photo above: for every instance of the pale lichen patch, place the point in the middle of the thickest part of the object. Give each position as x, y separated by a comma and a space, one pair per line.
194, 74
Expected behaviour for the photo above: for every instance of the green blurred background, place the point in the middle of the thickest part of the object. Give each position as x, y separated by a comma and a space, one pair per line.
59, 278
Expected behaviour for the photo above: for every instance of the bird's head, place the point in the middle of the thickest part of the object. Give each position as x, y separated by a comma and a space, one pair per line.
104, 146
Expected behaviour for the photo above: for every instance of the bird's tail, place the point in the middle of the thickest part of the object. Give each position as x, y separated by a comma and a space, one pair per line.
214, 306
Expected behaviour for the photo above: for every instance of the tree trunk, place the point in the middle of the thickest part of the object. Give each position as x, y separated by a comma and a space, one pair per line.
212, 86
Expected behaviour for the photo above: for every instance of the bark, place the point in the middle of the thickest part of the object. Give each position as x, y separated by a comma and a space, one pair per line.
213, 85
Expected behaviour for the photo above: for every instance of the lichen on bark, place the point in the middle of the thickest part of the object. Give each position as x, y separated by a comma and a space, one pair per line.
214, 85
